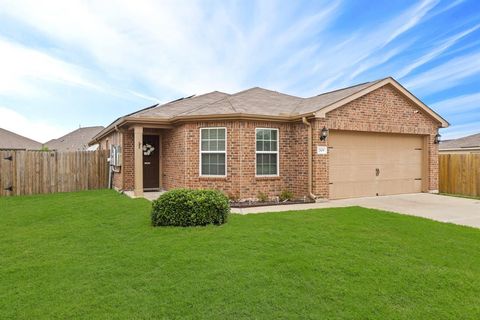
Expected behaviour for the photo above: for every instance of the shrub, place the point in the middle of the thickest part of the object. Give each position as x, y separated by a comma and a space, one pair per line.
233, 196
261, 196
185, 207
286, 195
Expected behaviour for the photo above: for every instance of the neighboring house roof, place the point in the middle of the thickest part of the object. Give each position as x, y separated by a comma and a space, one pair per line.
11, 140
258, 103
468, 142
76, 140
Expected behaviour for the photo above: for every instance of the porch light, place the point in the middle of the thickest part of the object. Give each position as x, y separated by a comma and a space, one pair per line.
324, 134
437, 138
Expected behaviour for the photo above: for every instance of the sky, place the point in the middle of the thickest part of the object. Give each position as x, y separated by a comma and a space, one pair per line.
65, 64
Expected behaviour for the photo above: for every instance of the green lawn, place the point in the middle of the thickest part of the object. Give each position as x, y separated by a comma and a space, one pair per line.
94, 255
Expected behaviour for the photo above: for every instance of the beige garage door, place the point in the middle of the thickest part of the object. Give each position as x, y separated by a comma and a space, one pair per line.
371, 164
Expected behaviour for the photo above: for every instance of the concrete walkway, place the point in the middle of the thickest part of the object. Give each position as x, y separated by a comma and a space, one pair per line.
436, 207
149, 195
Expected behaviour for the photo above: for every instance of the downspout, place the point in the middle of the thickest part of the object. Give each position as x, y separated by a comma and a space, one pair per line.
310, 160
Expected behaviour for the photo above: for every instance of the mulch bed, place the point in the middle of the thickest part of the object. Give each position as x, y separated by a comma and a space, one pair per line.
249, 204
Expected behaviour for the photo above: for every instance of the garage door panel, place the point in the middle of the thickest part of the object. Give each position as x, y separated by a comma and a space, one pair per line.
399, 171
355, 157
398, 186
352, 189
343, 173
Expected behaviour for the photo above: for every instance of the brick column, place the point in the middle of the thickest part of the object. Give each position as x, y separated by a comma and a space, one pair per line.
138, 156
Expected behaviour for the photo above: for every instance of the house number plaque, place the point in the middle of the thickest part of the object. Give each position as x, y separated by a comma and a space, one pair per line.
322, 150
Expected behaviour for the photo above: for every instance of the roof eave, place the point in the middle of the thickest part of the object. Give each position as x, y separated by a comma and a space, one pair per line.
239, 116
321, 113
170, 122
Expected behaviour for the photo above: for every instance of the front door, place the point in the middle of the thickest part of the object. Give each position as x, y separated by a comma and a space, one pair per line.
151, 157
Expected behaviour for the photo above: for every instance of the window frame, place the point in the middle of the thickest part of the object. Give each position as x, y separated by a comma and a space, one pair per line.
268, 152
200, 152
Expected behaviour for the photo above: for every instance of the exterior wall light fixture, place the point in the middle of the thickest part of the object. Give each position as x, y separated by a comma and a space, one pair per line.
324, 134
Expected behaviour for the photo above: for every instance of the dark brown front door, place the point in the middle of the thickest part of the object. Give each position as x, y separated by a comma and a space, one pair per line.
151, 174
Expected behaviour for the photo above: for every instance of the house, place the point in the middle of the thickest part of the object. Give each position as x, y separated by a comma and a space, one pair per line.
11, 140
76, 140
371, 139
468, 144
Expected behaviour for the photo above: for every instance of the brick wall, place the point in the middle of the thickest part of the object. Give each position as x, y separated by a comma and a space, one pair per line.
240, 179
173, 150
383, 110
128, 161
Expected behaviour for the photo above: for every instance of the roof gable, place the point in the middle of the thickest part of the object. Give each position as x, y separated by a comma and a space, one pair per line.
321, 112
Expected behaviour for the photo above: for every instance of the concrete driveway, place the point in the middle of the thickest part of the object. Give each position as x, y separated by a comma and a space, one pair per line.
436, 207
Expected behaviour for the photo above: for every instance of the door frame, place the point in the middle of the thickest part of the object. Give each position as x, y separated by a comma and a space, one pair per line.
160, 169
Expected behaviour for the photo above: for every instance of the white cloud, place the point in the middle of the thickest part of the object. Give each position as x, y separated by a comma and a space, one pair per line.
460, 104
438, 50
187, 47
178, 46
34, 129
22, 67
462, 130
446, 75
366, 49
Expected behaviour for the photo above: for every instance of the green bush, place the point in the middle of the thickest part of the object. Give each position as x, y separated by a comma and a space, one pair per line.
185, 207
286, 195
262, 197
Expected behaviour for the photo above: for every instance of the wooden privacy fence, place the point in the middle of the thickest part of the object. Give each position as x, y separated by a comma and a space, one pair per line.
34, 172
460, 174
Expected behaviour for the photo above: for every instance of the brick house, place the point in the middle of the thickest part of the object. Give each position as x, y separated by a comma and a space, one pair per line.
371, 139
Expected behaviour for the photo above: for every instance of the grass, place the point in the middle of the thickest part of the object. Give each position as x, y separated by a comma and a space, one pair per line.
94, 255
460, 196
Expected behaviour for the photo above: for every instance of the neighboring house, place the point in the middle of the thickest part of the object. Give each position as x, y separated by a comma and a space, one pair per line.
371, 139
76, 140
11, 140
468, 144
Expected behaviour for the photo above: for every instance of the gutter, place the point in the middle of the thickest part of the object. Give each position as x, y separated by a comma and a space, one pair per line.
171, 122
310, 160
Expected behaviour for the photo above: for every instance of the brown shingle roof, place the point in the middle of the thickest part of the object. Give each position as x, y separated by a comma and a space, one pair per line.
252, 102
322, 100
11, 140
176, 107
76, 140
472, 141
255, 101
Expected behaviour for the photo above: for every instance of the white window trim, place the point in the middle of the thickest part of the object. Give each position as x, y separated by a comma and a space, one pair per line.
200, 153
268, 152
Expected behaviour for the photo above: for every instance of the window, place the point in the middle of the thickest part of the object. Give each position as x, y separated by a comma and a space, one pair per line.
213, 151
115, 155
267, 152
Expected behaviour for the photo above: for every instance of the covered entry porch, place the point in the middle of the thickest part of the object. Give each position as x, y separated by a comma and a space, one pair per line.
148, 159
